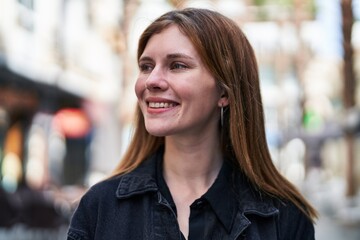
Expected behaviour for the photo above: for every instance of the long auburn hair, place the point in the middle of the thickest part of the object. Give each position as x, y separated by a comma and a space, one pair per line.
228, 55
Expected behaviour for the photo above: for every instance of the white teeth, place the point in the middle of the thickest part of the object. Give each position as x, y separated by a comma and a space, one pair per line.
160, 105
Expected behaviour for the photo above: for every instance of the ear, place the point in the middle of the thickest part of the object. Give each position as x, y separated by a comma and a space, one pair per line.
224, 100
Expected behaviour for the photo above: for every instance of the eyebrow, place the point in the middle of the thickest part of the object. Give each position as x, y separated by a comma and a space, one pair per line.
169, 56
178, 55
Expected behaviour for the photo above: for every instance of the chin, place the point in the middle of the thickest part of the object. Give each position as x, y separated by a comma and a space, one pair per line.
156, 132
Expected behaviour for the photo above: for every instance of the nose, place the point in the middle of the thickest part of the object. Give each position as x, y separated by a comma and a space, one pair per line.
156, 80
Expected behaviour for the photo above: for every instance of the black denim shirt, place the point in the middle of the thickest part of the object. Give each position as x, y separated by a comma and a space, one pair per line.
131, 206
215, 209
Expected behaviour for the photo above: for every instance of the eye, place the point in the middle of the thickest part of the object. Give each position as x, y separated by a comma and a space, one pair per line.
177, 65
145, 67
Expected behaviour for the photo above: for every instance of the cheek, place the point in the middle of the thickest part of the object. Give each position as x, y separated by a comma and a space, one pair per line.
139, 87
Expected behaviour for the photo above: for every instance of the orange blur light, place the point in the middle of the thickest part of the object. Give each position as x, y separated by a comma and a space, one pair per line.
72, 122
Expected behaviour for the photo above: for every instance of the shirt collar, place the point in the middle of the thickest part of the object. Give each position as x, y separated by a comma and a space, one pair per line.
222, 197
139, 181
163, 187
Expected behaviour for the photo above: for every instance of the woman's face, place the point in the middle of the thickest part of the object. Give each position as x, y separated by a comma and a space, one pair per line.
176, 93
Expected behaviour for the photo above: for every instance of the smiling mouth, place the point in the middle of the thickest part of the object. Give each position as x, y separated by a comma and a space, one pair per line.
161, 104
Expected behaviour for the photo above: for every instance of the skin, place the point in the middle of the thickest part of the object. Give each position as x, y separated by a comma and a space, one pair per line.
173, 76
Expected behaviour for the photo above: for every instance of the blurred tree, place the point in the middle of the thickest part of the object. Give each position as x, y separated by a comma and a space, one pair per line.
130, 7
176, 3
348, 89
307, 7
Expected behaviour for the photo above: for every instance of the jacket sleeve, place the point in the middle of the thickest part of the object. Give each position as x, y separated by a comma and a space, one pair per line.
294, 224
83, 220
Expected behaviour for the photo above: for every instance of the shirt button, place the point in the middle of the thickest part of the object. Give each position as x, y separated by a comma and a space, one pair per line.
200, 203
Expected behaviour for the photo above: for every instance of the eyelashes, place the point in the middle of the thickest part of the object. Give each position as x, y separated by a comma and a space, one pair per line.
174, 66
178, 65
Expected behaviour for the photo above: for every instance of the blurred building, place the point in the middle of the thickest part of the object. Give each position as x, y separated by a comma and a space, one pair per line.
60, 82
68, 45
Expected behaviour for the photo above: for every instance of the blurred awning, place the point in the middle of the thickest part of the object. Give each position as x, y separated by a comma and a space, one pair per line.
22, 93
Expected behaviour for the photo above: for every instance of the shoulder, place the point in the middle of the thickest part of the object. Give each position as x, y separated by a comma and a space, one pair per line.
294, 222
103, 188
110, 200
97, 193
291, 222
98, 200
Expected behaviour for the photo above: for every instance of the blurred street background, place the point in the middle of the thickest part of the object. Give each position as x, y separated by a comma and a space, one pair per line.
67, 74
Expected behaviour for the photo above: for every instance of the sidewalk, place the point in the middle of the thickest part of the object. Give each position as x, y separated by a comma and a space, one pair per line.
339, 216
329, 229
20, 232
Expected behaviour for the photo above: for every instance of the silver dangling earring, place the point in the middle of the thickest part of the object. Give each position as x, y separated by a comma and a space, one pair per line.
222, 116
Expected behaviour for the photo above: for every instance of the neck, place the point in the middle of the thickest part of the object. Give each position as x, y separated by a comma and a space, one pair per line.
192, 164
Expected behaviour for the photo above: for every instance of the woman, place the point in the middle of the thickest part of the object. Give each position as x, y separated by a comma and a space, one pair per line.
198, 166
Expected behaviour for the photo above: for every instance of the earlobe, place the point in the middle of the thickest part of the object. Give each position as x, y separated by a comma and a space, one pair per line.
223, 101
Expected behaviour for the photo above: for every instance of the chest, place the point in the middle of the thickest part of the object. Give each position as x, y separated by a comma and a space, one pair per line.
155, 219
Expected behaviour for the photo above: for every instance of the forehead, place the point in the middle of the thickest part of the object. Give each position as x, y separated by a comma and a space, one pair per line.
170, 38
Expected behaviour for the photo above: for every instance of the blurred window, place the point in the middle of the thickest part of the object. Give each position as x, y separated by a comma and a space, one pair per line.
26, 14
27, 3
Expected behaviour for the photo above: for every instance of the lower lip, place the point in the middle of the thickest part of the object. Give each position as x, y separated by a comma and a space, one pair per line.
158, 110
